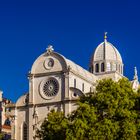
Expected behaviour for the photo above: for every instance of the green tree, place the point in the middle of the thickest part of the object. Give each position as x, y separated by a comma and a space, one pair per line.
81, 121
54, 127
111, 113
1, 136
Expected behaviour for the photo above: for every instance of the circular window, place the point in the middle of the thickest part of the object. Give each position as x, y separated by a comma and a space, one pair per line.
49, 63
49, 88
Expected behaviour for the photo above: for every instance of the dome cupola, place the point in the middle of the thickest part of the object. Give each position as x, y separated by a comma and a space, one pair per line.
106, 59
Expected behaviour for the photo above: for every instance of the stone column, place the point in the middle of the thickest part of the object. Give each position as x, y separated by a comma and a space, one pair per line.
31, 133
65, 91
13, 128
31, 84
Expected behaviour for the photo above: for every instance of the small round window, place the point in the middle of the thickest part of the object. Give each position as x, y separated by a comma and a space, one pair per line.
49, 88
49, 63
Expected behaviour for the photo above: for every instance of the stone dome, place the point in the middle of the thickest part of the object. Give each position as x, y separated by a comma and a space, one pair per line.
106, 58
106, 51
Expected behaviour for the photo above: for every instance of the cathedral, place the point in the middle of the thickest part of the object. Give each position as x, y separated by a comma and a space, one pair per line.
56, 82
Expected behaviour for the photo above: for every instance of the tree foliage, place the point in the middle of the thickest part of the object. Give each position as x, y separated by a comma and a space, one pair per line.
1, 136
111, 113
53, 127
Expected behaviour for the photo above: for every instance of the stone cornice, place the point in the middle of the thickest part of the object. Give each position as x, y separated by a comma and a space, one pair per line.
46, 104
45, 74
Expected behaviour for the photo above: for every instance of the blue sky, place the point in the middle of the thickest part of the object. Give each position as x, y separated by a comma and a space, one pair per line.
73, 27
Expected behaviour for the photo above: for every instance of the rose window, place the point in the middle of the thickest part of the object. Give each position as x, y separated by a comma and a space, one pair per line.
49, 88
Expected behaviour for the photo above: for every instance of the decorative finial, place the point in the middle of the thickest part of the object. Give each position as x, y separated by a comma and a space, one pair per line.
50, 49
135, 74
105, 36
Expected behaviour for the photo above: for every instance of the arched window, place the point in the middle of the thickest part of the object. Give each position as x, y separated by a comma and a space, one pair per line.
108, 67
119, 68
114, 67
91, 69
102, 67
97, 68
83, 87
75, 83
25, 131
90, 89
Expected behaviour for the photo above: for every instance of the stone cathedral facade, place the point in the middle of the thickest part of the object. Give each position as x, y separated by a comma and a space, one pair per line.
56, 82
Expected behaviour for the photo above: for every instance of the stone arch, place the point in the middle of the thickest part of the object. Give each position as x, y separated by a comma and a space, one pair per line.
75, 92
102, 67
39, 62
97, 67
24, 131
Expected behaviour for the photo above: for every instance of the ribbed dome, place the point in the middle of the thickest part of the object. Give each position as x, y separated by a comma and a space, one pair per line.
106, 58
106, 51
